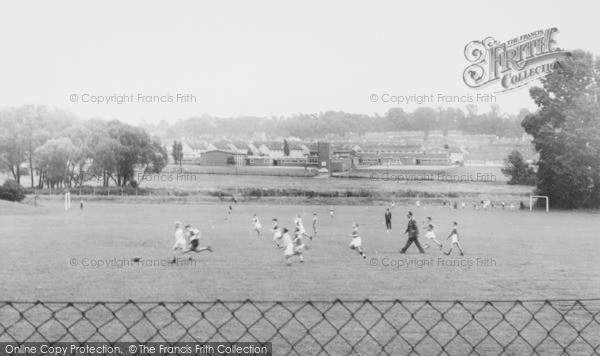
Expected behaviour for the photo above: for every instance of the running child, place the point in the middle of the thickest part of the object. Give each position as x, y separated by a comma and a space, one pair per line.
287, 244
299, 245
314, 226
257, 225
356, 241
430, 234
300, 227
180, 243
194, 240
454, 236
276, 232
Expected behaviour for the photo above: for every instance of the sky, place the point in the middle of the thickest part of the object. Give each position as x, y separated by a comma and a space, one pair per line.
262, 58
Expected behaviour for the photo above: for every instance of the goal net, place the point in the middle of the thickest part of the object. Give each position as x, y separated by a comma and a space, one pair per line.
532, 197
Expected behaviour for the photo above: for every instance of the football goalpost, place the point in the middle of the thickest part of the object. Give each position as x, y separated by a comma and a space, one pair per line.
531, 197
67, 200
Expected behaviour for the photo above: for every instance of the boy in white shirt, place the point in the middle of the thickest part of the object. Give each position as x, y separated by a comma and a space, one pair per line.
288, 247
356, 241
257, 225
430, 235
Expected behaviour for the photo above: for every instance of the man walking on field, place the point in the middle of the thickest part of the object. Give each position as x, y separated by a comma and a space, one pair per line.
413, 233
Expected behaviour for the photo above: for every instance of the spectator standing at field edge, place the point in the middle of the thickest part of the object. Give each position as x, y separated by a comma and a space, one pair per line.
388, 220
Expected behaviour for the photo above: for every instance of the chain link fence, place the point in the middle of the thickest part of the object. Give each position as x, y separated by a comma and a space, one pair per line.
321, 328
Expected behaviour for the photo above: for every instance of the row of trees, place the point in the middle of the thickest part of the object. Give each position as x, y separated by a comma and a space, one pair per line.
62, 151
304, 126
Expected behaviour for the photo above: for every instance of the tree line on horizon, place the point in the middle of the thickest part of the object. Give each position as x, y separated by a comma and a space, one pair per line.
63, 151
311, 126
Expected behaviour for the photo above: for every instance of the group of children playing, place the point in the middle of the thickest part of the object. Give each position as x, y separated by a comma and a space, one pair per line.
293, 246
187, 239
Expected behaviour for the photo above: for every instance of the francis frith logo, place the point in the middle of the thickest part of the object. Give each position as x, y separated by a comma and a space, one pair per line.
513, 63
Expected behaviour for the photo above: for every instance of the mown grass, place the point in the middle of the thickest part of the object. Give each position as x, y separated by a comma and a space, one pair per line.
536, 256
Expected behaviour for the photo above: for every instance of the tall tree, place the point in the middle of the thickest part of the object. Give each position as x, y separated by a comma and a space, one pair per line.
154, 159
105, 159
135, 144
566, 132
286, 148
82, 139
52, 160
518, 170
425, 119
177, 152
35, 132
396, 120
12, 143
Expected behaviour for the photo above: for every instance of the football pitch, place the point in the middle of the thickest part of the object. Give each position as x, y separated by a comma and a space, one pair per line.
86, 255
80, 265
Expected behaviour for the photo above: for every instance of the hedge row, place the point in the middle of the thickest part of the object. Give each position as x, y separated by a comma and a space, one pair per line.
244, 193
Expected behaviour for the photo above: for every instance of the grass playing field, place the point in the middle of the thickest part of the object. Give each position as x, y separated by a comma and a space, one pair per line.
47, 254
52, 255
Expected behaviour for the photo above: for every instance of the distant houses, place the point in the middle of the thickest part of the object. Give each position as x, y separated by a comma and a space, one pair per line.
390, 155
402, 148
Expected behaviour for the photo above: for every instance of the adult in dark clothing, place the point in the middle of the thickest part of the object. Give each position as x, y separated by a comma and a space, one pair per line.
388, 220
413, 233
